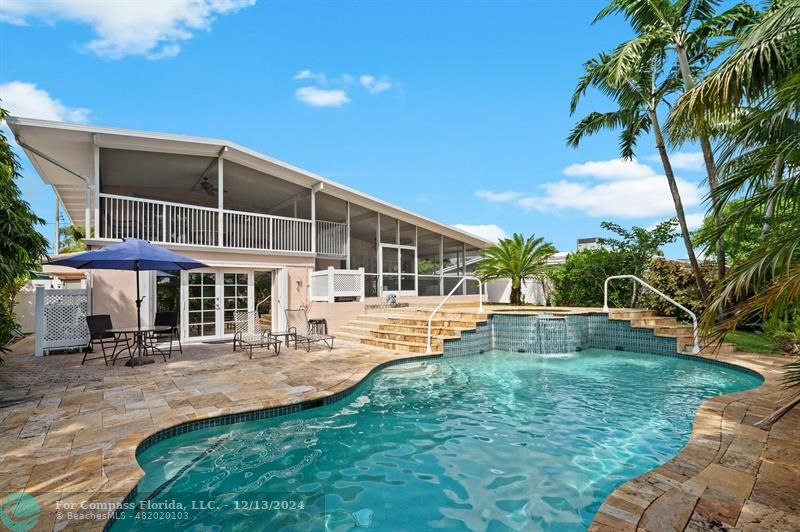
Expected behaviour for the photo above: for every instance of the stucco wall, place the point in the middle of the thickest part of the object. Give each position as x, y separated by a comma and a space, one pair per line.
336, 314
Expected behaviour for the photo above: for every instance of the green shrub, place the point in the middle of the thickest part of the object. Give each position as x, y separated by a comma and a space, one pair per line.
676, 280
579, 281
787, 342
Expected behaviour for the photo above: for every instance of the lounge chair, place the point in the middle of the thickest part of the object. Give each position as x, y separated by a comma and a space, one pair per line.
99, 325
249, 334
297, 323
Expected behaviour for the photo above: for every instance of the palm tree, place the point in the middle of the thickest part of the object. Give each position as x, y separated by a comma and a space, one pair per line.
638, 89
685, 27
515, 258
756, 93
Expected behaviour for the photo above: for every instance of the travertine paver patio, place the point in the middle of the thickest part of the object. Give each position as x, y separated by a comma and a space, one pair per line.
70, 433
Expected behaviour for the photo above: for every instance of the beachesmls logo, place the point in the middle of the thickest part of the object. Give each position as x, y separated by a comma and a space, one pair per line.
20, 511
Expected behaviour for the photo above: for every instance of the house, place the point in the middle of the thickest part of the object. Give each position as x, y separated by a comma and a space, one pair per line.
263, 226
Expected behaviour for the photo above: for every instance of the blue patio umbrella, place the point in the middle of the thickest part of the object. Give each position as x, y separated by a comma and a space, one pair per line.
130, 254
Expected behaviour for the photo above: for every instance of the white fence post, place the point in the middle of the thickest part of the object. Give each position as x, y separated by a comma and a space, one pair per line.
331, 295
38, 349
362, 283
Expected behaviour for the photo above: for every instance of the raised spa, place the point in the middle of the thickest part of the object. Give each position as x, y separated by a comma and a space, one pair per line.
494, 441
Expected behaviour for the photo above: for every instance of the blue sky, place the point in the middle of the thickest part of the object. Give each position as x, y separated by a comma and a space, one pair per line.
458, 111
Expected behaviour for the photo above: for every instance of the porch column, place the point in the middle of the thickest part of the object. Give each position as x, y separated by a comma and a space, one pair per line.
347, 238
96, 183
441, 265
316, 188
56, 242
464, 268
220, 194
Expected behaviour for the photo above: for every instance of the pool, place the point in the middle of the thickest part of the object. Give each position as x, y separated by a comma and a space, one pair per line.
495, 441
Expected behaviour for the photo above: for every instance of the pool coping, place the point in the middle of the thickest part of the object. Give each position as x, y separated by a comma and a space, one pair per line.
718, 480
612, 518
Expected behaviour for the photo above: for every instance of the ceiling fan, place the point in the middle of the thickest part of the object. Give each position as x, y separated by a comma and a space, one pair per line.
209, 187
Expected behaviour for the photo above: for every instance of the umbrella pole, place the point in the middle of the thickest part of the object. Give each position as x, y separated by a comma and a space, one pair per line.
138, 314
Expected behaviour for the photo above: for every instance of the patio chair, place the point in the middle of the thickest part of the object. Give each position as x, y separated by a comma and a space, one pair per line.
99, 325
249, 333
297, 323
167, 319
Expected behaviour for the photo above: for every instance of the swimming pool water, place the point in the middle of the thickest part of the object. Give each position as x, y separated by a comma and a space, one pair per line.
496, 441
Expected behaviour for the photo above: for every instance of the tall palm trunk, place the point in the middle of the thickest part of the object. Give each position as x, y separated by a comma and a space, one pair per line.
711, 168
676, 198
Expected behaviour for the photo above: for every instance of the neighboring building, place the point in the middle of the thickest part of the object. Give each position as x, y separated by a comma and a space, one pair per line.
588, 243
263, 226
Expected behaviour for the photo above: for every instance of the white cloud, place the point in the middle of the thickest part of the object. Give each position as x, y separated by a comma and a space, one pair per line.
490, 232
614, 188
624, 198
26, 99
317, 77
613, 169
499, 197
152, 29
317, 97
683, 160
375, 85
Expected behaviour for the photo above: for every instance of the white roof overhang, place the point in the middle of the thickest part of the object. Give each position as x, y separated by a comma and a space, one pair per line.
73, 146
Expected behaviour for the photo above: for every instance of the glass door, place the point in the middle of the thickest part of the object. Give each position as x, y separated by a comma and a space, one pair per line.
210, 301
390, 269
408, 271
236, 290
398, 269
201, 304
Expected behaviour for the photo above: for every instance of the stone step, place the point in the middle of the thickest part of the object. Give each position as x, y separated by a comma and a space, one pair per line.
459, 324
421, 329
674, 331
653, 321
394, 337
710, 350
630, 314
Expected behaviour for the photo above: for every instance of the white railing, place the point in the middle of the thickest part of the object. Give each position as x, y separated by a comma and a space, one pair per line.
176, 223
696, 347
247, 230
157, 221
327, 285
331, 238
459, 283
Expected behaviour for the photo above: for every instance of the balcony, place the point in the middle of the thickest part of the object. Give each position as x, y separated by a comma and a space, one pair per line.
165, 222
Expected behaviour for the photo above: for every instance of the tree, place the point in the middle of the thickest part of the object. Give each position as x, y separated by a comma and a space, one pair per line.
515, 258
641, 245
754, 96
685, 28
21, 245
71, 239
579, 281
638, 89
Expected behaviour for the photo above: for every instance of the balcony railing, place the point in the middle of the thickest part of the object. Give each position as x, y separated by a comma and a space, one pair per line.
175, 223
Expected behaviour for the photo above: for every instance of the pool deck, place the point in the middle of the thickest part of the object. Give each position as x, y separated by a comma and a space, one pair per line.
69, 433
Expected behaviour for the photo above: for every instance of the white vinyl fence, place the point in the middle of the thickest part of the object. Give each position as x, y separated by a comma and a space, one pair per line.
61, 319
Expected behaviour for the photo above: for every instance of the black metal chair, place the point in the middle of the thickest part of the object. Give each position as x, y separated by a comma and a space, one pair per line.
167, 319
99, 334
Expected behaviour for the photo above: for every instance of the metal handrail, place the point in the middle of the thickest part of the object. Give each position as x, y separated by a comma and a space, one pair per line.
696, 347
459, 283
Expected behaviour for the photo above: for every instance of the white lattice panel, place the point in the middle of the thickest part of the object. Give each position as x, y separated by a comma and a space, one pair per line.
64, 323
346, 283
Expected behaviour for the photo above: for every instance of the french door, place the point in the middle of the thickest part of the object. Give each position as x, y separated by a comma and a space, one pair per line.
209, 300
398, 267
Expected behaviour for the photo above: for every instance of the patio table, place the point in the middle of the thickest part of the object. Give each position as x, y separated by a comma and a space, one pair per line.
140, 337
287, 335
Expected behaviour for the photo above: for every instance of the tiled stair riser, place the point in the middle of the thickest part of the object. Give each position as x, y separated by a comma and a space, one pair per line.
571, 333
